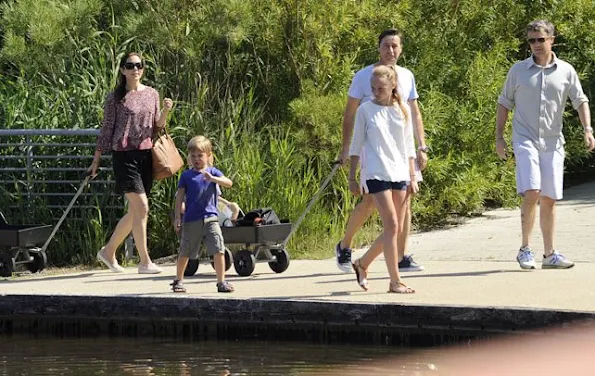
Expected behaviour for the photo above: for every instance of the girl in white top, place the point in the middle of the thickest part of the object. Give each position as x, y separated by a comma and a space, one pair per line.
381, 135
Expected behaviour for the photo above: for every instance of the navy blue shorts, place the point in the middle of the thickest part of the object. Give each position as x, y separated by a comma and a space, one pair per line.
375, 186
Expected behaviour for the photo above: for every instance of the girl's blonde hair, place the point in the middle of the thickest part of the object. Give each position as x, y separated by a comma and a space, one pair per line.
203, 145
388, 72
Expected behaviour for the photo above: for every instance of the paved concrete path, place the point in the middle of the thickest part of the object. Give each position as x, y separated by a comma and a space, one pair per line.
469, 265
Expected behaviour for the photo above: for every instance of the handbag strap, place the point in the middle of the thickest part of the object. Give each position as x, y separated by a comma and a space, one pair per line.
159, 132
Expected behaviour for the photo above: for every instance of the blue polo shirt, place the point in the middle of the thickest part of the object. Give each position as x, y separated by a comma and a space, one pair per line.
201, 195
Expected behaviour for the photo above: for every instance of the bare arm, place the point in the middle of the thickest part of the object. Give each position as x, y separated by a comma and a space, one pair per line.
584, 115
348, 121
418, 133
414, 187
180, 197
223, 181
353, 185
501, 118
167, 106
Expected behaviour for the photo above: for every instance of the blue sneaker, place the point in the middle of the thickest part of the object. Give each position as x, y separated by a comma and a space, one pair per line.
343, 258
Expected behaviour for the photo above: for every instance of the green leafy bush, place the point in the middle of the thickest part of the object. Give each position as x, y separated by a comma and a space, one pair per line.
267, 81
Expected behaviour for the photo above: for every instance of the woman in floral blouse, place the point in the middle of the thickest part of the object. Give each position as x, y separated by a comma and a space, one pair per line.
131, 118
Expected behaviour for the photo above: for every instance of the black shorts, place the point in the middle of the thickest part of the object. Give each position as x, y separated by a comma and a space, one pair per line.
376, 186
133, 171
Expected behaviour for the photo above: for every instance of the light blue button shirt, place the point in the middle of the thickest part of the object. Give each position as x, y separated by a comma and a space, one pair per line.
538, 95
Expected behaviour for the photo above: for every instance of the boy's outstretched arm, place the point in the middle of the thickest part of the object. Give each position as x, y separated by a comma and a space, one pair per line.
223, 181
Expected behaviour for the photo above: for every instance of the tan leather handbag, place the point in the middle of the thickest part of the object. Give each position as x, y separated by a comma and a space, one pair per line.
166, 157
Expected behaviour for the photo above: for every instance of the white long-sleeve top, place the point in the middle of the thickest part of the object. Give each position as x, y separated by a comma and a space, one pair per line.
386, 141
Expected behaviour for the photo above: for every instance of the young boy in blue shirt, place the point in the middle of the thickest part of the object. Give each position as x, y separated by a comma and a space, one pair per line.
197, 188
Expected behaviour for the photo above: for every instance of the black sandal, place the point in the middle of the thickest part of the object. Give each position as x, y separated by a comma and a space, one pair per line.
177, 286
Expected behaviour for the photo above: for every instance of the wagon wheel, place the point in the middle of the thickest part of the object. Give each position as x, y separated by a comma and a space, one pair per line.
282, 263
40, 260
7, 264
228, 260
244, 262
191, 267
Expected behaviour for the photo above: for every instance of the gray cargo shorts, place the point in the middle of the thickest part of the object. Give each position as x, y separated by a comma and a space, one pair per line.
194, 232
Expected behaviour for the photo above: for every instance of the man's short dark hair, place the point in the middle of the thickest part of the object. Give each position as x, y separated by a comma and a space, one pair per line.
389, 32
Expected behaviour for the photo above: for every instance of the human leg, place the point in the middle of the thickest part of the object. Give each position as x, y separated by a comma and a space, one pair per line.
181, 267
219, 261
390, 204
552, 259
547, 221
360, 214
214, 242
139, 205
528, 184
403, 235
358, 217
107, 254
406, 262
552, 170
528, 209
122, 230
178, 284
525, 256
190, 238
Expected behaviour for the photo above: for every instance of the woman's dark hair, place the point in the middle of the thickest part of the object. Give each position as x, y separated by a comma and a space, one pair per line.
120, 90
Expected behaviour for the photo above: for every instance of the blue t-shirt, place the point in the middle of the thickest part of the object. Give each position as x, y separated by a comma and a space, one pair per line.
201, 195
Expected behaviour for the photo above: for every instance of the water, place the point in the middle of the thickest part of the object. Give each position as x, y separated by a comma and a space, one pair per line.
21, 355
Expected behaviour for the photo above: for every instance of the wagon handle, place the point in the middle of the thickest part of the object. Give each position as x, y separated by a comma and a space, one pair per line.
87, 177
336, 167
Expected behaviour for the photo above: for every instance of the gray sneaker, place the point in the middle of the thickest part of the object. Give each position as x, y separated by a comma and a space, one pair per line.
526, 258
556, 261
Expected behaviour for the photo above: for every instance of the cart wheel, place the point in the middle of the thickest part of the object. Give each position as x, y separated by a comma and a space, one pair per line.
40, 261
244, 262
282, 263
7, 264
228, 260
191, 267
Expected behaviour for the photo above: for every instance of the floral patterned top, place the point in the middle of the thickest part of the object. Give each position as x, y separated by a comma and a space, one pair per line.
129, 124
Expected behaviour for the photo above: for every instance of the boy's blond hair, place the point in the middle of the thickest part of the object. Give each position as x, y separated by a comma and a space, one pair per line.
201, 144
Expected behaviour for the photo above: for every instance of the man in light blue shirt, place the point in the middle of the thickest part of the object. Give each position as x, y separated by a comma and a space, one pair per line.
537, 90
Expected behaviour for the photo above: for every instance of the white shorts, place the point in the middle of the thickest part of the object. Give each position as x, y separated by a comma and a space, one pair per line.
364, 188
539, 170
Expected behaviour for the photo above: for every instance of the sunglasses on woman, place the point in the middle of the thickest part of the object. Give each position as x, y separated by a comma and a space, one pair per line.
131, 66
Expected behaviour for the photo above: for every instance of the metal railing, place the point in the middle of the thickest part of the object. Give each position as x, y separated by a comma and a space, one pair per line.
42, 169
46, 166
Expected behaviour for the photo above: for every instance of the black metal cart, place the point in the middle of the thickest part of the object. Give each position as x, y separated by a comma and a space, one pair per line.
263, 243
27, 244
19, 244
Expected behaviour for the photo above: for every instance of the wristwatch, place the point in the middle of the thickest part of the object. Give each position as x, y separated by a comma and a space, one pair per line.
424, 149
588, 129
